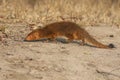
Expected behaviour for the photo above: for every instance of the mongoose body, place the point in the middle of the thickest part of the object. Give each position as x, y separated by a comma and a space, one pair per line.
68, 29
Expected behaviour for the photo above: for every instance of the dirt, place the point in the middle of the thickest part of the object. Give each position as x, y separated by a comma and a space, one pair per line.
39, 60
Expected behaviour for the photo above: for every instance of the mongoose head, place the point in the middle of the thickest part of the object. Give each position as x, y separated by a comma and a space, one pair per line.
34, 35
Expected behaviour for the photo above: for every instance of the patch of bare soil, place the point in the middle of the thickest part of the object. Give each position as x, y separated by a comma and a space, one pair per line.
21, 60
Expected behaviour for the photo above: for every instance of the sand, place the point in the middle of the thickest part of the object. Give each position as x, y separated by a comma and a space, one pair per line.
21, 60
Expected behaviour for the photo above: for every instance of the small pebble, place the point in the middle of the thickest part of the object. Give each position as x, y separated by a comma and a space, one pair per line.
111, 35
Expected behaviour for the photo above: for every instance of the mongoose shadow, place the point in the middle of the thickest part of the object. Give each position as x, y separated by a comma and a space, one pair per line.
64, 41
68, 29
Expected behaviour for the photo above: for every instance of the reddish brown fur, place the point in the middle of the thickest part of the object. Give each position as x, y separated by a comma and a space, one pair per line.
68, 29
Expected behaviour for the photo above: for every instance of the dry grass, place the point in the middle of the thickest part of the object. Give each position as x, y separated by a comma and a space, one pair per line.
85, 12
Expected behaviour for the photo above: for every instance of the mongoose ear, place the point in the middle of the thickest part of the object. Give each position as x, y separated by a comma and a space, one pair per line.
111, 46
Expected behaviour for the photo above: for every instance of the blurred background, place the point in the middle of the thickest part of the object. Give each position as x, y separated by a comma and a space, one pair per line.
84, 12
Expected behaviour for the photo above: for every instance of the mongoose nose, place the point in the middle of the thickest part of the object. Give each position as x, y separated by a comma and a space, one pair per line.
28, 40
25, 40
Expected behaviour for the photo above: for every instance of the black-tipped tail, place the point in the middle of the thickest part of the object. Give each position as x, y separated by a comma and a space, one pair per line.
111, 46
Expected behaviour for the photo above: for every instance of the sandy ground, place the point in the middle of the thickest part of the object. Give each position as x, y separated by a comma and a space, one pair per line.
21, 60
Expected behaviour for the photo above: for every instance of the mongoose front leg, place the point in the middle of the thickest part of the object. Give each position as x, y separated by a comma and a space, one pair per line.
52, 38
70, 38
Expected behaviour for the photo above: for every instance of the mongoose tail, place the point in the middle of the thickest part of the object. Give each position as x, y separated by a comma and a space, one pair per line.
98, 44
